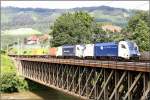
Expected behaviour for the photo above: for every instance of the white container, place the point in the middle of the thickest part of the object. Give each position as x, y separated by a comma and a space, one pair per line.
89, 50
59, 51
79, 49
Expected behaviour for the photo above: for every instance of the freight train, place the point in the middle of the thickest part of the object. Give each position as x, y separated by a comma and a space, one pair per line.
121, 49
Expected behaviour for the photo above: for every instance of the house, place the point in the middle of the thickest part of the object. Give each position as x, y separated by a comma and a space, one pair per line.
32, 40
111, 28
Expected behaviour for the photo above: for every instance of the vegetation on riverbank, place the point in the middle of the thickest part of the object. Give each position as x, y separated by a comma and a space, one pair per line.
10, 81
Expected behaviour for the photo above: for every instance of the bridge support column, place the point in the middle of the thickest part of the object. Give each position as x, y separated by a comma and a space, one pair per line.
146, 90
132, 86
104, 89
129, 85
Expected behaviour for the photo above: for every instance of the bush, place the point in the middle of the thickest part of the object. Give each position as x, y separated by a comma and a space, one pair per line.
10, 82
2, 52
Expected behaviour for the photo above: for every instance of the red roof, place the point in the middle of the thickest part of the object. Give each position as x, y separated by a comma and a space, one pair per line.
32, 38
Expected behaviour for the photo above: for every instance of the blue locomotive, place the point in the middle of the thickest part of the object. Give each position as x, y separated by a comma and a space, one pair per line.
122, 49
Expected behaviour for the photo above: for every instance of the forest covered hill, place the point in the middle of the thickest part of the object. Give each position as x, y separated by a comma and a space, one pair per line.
41, 19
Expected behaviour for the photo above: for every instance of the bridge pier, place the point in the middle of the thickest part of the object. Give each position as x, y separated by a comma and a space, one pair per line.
87, 82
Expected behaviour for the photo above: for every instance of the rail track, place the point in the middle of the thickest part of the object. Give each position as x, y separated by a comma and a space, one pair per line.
123, 65
142, 60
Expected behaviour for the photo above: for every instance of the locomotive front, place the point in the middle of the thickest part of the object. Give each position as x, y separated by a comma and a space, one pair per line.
133, 50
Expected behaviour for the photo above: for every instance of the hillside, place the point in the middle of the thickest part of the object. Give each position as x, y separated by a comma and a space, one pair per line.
15, 35
21, 31
41, 19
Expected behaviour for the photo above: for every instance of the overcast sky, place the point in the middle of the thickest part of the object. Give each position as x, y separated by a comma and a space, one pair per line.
142, 5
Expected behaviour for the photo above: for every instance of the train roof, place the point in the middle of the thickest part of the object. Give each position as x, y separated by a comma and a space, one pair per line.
106, 43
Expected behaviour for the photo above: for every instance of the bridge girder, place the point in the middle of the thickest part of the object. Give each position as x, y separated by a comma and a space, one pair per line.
89, 82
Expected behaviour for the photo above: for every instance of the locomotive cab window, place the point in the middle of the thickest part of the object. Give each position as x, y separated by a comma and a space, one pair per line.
123, 46
136, 48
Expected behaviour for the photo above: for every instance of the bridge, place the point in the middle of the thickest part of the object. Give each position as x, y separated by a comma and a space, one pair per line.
89, 79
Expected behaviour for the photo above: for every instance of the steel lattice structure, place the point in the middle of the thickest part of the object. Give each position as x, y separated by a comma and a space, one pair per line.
88, 82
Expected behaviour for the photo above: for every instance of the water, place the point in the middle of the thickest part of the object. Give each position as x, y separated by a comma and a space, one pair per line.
48, 94
38, 92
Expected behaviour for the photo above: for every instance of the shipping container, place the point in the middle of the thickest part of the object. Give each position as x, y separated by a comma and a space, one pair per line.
39, 51
52, 51
109, 49
73, 50
68, 50
59, 51
79, 49
88, 50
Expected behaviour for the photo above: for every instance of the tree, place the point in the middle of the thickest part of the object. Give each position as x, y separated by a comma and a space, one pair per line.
141, 36
138, 30
73, 28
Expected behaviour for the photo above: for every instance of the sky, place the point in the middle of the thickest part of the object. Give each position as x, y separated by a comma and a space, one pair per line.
141, 5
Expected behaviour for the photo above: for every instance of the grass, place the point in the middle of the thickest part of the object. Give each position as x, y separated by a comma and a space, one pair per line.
21, 31
7, 66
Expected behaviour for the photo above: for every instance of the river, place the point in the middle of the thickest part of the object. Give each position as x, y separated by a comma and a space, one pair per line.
48, 94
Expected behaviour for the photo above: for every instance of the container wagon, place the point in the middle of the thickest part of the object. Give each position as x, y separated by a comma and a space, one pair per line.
53, 51
72, 51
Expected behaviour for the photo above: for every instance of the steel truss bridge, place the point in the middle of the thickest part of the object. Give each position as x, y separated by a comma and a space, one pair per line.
89, 79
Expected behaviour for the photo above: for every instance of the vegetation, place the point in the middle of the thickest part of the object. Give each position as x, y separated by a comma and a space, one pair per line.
40, 19
138, 30
80, 28
7, 66
73, 28
9, 36
10, 81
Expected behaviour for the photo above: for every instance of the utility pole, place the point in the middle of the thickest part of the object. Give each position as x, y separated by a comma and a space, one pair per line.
18, 46
21, 48
7, 50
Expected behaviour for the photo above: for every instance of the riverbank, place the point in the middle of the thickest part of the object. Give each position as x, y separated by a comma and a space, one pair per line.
27, 95
45, 94
14, 87
10, 81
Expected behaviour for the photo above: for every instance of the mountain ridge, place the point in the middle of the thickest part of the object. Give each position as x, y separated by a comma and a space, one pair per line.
42, 18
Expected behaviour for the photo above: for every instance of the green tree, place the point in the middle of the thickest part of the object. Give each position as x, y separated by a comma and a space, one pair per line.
141, 36
135, 19
73, 28
138, 30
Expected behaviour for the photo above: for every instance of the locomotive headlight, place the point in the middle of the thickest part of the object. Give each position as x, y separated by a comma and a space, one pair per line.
138, 54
